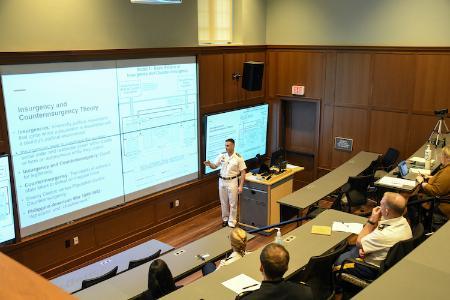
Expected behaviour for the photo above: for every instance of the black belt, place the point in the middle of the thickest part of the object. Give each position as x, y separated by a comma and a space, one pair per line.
229, 178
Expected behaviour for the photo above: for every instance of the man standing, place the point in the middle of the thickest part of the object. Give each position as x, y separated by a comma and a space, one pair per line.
231, 181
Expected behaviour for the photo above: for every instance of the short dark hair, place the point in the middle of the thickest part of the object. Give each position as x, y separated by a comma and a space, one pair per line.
230, 140
275, 260
160, 279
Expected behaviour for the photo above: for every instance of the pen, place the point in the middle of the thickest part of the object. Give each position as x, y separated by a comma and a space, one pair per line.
201, 257
244, 288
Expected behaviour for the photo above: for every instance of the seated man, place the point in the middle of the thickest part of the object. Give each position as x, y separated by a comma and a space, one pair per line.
384, 228
274, 263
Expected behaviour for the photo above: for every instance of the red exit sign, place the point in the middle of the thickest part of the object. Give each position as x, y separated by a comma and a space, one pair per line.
298, 90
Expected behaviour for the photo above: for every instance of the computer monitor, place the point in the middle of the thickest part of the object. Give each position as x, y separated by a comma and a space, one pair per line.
278, 157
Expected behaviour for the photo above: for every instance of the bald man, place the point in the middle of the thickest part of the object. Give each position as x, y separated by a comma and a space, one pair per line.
384, 228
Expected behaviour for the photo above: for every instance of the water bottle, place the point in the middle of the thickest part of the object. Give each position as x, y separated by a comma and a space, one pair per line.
428, 158
278, 238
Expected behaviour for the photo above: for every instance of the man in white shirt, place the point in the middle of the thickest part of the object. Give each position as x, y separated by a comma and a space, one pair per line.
384, 228
231, 181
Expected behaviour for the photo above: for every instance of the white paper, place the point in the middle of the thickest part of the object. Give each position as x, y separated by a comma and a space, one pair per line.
289, 166
347, 227
242, 283
420, 171
419, 160
397, 182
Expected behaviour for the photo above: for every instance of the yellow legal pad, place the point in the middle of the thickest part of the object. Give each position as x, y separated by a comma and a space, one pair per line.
324, 230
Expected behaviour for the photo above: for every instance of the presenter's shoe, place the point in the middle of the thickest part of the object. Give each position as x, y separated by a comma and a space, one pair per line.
224, 223
232, 225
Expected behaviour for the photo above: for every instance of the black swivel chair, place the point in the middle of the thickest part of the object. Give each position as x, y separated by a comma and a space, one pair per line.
90, 282
395, 254
387, 162
134, 263
356, 191
318, 273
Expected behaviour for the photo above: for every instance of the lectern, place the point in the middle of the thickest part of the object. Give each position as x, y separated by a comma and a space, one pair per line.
258, 203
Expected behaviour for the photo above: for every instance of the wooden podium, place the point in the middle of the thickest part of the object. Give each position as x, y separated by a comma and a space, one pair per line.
258, 205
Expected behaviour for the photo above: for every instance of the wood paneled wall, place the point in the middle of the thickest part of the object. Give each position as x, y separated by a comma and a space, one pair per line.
379, 97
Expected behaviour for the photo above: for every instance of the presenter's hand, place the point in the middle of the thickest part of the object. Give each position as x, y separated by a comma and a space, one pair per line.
207, 163
239, 189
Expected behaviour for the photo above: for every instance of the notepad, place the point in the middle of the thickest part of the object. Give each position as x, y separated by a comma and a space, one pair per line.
419, 160
420, 171
241, 283
397, 182
324, 230
347, 227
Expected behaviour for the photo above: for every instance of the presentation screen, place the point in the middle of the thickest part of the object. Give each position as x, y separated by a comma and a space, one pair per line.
87, 136
7, 232
247, 126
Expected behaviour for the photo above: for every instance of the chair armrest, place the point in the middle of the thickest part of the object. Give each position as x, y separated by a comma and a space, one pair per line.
443, 199
420, 201
345, 188
371, 189
352, 260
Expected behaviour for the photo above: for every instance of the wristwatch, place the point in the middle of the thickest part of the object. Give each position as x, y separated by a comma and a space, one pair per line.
370, 222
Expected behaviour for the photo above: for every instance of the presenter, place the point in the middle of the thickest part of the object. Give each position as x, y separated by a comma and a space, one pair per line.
231, 181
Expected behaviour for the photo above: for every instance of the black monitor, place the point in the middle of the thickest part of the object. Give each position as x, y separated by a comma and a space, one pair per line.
278, 157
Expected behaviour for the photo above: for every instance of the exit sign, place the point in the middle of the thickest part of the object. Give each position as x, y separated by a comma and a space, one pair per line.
298, 90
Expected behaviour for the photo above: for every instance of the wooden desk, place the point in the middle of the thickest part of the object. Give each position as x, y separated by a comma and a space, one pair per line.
435, 154
330, 182
181, 261
422, 274
300, 250
19, 282
71, 282
259, 205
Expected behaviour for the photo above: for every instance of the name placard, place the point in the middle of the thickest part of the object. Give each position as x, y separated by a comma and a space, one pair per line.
343, 144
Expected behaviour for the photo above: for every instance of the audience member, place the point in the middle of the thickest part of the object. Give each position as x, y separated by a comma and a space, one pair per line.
439, 184
238, 239
384, 228
160, 281
274, 263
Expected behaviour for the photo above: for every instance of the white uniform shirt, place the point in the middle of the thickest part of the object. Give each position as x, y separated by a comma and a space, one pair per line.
232, 258
231, 165
377, 243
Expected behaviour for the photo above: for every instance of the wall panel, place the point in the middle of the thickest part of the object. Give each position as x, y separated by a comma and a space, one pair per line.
296, 68
232, 88
388, 129
349, 123
420, 127
210, 79
352, 79
326, 136
432, 88
393, 81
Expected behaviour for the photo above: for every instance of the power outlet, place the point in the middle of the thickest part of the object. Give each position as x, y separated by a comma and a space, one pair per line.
75, 240
177, 203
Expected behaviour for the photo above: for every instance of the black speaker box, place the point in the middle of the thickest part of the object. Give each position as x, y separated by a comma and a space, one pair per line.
253, 75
